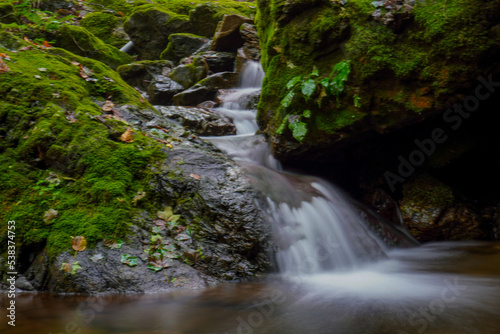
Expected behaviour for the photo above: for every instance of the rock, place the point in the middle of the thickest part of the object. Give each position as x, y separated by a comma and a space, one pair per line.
141, 74
431, 211
106, 27
182, 45
55, 5
228, 38
162, 89
383, 93
204, 19
188, 74
219, 61
251, 47
205, 122
206, 89
194, 96
248, 102
149, 28
7, 13
207, 104
80, 41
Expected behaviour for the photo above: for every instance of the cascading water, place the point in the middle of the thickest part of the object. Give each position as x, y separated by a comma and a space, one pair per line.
314, 227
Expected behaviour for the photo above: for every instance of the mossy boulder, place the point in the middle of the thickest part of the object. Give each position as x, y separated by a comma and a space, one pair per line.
7, 13
105, 26
188, 74
140, 74
182, 45
396, 73
149, 27
82, 42
83, 154
432, 211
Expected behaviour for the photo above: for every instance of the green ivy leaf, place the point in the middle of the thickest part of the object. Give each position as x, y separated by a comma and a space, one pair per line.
307, 113
287, 100
308, 87
129, 260
293, 82
75, 267
356, 98
299, 130
315, 72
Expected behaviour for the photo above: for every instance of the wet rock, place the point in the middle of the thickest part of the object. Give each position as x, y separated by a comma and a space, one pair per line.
55, 5
149, 29
251, 47
206, 89
162, 89
205, 122
219, 61
141, 74
432, 211
188, 74
228, 38
207, 104
182, 45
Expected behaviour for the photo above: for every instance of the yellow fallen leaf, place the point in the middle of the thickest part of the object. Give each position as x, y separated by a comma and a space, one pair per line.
127, 136
79, 243
107, 106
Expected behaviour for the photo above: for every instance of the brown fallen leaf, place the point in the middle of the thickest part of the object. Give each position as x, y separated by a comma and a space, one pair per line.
107, 106
79, 243
75, 63
46, 44
3, 67
49, 215
195, 176
140, 195
82, 72
127, 136
66, 267
26, 48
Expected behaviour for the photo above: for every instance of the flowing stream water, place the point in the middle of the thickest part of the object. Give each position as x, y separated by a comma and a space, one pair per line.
338, 271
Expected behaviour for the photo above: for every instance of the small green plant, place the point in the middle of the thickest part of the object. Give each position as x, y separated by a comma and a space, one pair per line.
308, 87
71, 268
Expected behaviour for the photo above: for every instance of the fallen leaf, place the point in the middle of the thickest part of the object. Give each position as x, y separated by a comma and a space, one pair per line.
37, 77
165, 214
169, 145
75, 63
79, 243
195, 176
66, 267
49, 215
107, 106
26, 48
4, 55
42, 69
29, 41
3, 67
127, 136
96, 257
46, 44
113, 244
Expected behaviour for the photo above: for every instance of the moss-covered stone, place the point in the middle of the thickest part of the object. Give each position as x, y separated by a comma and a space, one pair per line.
182, 45
104, 26
56, 154
402, 71
80, 41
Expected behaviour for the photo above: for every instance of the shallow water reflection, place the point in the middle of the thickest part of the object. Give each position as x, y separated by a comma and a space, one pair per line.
436, 288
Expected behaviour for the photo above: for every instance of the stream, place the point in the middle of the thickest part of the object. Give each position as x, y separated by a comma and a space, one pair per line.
338, 271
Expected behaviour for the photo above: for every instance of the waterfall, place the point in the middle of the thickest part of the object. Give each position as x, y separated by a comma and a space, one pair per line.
316, 228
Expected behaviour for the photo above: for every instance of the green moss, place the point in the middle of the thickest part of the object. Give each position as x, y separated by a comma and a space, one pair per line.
80, 41
103, 26
427, 192
77, 165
